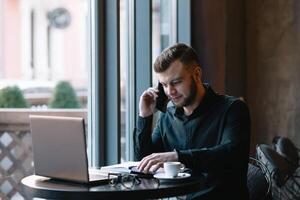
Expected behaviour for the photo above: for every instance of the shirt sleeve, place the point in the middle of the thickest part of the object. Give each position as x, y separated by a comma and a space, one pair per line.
232, 152
146, 141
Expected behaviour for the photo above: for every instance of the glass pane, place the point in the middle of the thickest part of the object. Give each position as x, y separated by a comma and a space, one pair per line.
43, 43
164, 27
124, 65
127, 81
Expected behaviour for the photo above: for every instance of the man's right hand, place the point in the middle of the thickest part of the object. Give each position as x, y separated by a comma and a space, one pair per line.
147, 102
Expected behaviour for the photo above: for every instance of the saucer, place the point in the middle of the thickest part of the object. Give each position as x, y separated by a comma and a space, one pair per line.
163, 176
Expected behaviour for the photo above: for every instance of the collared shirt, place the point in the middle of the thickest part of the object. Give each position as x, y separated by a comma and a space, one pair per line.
214, 139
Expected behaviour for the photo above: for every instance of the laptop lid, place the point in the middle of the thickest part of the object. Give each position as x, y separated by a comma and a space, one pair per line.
59, 147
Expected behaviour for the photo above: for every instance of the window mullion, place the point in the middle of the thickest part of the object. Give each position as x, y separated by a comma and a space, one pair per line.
112, 83
131, 82
96, 90
143, 50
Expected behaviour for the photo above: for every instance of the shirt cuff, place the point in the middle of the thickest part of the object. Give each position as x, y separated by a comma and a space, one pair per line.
144, 122
185, 157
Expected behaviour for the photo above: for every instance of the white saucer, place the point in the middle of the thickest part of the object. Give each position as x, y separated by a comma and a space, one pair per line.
163, 176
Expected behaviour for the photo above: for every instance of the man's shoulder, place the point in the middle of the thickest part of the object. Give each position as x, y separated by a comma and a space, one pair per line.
224, 100
232, 101
235, 104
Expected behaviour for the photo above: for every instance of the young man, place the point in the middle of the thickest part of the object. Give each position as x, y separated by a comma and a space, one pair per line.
208, 132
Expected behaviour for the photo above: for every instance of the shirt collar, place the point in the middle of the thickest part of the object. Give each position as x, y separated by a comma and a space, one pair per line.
209, 99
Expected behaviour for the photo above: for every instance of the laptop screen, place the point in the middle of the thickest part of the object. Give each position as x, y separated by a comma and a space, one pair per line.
59, 147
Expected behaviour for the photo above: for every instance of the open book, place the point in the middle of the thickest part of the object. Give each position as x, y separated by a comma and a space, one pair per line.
119, 168
126, 167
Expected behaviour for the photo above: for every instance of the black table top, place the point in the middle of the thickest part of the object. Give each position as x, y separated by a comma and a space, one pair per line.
42, 187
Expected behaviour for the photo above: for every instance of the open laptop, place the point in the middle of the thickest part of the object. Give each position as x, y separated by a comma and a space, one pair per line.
59, 149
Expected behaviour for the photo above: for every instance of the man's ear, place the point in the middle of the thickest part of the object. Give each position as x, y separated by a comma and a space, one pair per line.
197, 74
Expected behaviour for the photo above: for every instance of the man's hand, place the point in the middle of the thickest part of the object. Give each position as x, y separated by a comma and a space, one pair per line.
147, 102
156, 160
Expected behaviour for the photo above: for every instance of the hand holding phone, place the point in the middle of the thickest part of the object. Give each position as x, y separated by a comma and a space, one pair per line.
162, 99
152, 99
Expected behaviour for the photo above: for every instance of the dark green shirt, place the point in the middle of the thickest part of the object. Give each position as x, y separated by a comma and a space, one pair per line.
214, 140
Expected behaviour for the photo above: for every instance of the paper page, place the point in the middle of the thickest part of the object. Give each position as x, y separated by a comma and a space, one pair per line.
118, 168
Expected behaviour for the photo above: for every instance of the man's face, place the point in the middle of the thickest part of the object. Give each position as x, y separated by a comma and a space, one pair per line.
179, 84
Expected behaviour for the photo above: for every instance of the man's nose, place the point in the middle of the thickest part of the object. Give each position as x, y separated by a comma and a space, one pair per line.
170, 90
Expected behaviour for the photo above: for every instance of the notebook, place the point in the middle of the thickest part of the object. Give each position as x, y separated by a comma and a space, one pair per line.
59, 149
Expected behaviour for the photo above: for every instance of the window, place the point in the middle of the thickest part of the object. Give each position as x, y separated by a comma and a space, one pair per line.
104, 49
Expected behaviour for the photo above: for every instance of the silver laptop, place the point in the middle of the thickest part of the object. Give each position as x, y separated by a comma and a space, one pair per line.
59, 149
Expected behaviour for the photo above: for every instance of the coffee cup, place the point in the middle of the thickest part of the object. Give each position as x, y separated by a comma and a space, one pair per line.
172, 168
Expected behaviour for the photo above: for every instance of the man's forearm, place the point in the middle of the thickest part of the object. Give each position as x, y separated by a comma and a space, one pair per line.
142, 137
217, 159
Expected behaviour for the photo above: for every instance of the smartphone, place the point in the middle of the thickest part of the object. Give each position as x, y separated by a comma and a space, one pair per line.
162, 99
134, 170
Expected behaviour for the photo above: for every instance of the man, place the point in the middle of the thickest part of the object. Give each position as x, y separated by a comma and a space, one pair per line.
209, 133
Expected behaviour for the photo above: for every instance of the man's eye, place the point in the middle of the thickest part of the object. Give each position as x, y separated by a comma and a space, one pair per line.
176, 82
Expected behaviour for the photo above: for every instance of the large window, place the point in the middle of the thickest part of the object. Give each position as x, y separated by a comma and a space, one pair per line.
44, 69
104, 50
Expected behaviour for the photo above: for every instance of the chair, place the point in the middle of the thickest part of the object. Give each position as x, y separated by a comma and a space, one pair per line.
290, 153
280, 170
258, 180
287, 149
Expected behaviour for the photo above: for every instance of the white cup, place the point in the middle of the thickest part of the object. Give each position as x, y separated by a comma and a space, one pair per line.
172, 168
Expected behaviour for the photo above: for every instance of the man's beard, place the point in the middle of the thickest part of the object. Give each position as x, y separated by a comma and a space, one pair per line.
189, 100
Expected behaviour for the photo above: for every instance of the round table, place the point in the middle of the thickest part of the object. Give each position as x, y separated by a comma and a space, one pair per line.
42, 187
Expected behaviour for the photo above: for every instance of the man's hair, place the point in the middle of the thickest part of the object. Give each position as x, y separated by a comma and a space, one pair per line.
182, 52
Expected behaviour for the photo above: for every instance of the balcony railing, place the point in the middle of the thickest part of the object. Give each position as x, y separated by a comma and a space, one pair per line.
16, 147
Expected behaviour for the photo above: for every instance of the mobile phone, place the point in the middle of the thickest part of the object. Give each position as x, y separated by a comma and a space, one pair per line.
162, 99
134, 170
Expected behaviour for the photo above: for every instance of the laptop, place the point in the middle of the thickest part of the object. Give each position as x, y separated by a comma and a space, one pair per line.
59, 149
